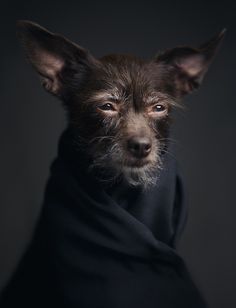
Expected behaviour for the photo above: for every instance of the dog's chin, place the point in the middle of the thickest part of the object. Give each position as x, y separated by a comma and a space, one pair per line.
141, 174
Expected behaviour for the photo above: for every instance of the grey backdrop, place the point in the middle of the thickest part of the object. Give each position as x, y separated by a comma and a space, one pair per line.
31, 122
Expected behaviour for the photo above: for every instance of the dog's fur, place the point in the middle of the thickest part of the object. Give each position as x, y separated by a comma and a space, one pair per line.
119, 98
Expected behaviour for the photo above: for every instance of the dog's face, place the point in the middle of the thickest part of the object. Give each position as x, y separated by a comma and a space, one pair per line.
119, 105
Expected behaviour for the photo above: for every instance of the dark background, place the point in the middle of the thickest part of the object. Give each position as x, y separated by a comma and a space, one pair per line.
31, 121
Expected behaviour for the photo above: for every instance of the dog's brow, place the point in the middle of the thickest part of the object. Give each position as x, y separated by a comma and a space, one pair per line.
154, 97
151, 97
104, 95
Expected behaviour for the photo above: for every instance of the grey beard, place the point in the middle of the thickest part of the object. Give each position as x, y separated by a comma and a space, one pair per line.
146, 177
110, 167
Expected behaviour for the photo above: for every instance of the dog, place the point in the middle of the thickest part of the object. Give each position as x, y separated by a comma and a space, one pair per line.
118, 111
119, 105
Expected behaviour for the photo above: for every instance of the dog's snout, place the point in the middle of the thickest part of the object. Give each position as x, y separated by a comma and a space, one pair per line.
139, 147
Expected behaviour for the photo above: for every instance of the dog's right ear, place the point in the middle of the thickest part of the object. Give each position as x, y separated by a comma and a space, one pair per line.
189, 65
59, 62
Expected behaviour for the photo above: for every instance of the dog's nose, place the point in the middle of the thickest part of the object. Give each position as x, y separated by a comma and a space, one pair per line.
139, 147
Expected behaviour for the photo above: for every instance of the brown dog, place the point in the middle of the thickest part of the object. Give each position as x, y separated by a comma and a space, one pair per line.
119, 105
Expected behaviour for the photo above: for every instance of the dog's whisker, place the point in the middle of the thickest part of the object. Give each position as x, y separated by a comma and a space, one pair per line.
101, 138
166, 139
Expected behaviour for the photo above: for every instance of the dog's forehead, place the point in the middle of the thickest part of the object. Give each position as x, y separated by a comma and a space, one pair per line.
125, 76
126, 70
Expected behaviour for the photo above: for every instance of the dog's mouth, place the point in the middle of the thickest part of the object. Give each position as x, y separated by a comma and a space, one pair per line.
137, 163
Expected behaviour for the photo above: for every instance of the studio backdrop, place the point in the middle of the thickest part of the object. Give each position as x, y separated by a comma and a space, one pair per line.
32, 121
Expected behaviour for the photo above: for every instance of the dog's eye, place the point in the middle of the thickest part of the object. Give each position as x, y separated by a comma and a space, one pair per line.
159, 108
107, 107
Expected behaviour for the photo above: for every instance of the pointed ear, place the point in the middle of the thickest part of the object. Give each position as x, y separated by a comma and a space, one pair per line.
54, 57
188, 65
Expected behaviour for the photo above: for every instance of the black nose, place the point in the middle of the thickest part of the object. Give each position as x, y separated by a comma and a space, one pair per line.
139, 147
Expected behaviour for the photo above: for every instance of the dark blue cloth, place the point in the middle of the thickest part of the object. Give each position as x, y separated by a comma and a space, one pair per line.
105, 247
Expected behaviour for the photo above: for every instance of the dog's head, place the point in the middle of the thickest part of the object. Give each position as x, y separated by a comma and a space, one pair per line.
118, 105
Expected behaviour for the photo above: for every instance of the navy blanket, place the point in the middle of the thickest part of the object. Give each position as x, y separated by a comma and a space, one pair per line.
104, 247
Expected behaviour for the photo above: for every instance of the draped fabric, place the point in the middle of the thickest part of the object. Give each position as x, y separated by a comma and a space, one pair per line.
98, 246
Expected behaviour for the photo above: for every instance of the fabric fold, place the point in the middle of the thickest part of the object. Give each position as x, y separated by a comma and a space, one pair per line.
98, 246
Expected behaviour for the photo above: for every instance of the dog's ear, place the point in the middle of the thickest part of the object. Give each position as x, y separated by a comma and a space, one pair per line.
188, 65
54, 57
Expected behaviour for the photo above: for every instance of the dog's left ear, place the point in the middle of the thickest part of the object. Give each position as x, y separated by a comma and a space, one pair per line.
59, 62
188, 65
